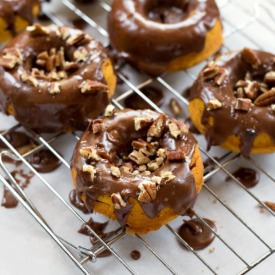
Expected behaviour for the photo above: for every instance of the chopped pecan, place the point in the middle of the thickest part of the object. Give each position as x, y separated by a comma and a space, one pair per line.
142, 168
118, 201
272, 107
89, 153
156, 179
250, 57
211, 71
76, 39
97, 126
213, 104
174, 129
29, 79
109, 111
167, 175
81, 55
37, 30
175, 154
266, 98
157, 127
138, 157
115, 171
54, 88
251, 90
10, 58
269, 78
70, 66
148, 191
91, 86
127, 168
142, 122
243, 104
161, 153
89, 169
175, 107
152, 165
240, 92
64, 32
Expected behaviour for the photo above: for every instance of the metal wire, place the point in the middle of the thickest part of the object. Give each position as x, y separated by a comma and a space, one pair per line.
217, 166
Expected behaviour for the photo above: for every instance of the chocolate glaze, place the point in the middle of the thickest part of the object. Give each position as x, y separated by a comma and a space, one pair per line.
8, 200
191, 126
77, 202
196, 233
247, 176
98, 227
79, 23
135, 255
134, 101
227, 120
35, 105
151, 33
44, 161
16, 139
9, 9
113, 144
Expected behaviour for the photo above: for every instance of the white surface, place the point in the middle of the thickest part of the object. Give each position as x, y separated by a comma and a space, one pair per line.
26, 249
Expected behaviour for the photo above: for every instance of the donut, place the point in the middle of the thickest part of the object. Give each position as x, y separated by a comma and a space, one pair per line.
139, 167
232, 102
55, 78
158, 36
16, 15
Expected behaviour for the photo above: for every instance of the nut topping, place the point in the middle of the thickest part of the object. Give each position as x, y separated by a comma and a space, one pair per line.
138, 157
213, 104
167, 175
243, 104
109, 111
92, 86
266, 98
54, 88
157, 127
89, 153
174, 129
97, 126
175, 155
148, 191
270, 78
89, 169
214, 72
10, 58
77, 39
118, 201
251, 58
175, 107
37, 30
142, 122
115, 171
81, 55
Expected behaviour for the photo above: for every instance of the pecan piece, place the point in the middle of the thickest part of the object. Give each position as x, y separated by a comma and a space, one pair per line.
115, 171
174, 129
89, 153
37, 30
157, 127
97, 126
269, 78
266, 98
243, 104
138, 157
250, 57
118, 201
148, 191
109, 111
251, 90
10, 58
213, 104
89, 169
167, 175
91, 86
54, 89
142, 122
176, 155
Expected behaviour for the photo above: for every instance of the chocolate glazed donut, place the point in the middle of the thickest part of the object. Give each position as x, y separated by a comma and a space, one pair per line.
162, 35
232, 102
139, 167
55, 78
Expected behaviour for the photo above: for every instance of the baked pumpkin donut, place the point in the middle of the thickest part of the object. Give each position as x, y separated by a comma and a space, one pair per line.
139, 167
233, 102
158, 36
55, 78
16, 15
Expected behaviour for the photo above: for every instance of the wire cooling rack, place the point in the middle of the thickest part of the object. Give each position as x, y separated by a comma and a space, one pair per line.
244, 240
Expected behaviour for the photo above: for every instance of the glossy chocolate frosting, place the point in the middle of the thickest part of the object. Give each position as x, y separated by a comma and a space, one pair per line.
151, 33
52, 76
245, 111
9, 9
111, 140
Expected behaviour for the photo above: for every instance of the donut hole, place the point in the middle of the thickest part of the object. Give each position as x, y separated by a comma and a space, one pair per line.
167, 11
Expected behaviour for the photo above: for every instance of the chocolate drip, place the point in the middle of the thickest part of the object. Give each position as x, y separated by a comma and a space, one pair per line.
16, 139
135, 255
77, 202
196, 233
98, 227
8, 200
247, 176
44, 161
245, 121
134, 101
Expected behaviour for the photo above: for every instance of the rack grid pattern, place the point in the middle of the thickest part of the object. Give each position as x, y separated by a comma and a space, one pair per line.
84, 257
